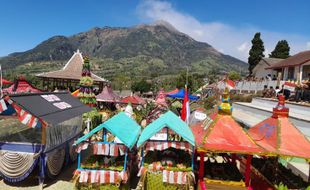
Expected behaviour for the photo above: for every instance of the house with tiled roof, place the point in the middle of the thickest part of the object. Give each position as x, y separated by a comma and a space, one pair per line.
69, 76
260, 70
296, 67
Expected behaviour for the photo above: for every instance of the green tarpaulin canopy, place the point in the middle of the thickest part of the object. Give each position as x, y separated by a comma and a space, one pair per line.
170, 120
121, 126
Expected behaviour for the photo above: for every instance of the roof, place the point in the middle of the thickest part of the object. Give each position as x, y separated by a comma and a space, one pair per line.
270, 61
170, 120
121, 126
72, 70
107, 95
180, 94
21, 86
133, 99
225, 134
279, 136
41, 108
295, 60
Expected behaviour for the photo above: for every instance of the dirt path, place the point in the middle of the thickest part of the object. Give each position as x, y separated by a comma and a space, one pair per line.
62, 182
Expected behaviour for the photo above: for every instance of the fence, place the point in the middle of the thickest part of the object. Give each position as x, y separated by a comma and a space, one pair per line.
251, 86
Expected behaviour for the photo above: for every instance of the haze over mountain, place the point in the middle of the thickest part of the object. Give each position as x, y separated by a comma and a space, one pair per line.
141, 50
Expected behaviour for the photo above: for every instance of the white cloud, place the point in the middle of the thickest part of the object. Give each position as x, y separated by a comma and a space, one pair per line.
235, 41
308, 45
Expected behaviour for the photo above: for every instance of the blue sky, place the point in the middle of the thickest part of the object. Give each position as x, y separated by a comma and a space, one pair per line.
225, 24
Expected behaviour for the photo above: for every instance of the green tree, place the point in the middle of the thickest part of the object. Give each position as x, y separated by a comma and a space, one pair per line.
233, 75
194, 81
141, 86
212, 75
282, 50
256, 52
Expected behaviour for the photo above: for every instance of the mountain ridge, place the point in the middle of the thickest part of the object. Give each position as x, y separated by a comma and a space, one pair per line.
145, 48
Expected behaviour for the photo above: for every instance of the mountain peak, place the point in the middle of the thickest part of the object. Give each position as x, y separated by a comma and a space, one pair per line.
165, 24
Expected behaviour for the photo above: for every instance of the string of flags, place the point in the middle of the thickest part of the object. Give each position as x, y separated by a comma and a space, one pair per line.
24, 117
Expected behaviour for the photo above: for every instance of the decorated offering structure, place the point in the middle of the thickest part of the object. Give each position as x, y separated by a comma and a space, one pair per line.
110, 143
280, 138
220, 141
86, 94
39, 132
167, 154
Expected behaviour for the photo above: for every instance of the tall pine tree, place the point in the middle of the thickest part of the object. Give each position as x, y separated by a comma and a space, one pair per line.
86, 94
256, 52
282, 50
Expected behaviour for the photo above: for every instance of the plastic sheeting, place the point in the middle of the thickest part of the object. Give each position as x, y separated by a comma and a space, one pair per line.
58, 134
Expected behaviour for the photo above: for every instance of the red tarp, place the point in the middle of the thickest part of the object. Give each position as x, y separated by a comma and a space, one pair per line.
22, 86
279, 136
133, 99
107, 95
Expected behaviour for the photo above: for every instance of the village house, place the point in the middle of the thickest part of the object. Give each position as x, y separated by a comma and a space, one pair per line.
296, 67
260, 70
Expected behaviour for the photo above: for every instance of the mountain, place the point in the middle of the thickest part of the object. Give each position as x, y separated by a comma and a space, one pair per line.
136, 51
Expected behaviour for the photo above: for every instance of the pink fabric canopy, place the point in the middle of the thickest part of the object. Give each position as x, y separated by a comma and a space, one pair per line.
107, 95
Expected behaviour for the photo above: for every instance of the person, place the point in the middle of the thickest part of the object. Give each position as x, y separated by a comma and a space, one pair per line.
285, 92
298, 92
265, 90
269, 77
274, 77
271, 92
277, 91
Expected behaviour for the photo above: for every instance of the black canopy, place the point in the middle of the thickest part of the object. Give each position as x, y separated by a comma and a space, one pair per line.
52, 107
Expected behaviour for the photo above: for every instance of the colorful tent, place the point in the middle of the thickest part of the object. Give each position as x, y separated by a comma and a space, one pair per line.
21, 86
133, 99
6, 82
180, 95
170, 120
224, 134
121, 126
107, 95
279, 136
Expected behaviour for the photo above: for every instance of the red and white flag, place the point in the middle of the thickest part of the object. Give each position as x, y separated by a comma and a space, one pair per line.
185, 107
230, 84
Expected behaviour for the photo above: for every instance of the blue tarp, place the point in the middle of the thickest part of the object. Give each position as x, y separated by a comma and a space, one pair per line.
173, 122
121, 126
180, 94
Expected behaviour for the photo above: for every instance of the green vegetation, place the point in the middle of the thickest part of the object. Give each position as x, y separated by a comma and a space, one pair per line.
282, 50
256, 52
233, 75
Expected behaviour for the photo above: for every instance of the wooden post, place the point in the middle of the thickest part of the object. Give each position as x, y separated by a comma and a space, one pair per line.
233, 158
248, 170
43, 135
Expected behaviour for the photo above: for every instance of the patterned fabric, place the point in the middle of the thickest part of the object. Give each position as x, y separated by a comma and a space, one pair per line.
174, 177
102, 176
108, 149
151, 146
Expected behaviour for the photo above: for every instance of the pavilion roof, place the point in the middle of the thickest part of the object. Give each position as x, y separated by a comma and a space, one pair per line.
279, 136
107, 95
295, 60
72, 70
224, 134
